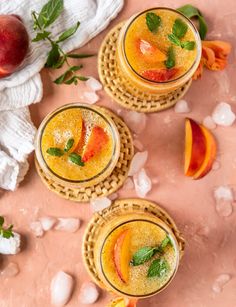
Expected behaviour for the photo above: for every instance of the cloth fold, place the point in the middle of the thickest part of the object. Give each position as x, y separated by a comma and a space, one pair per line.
24, 87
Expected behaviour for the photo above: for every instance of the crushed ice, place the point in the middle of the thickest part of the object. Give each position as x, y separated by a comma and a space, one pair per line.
93, 84
37, 228
142, 183
138, 162
88, 293
182, 106
224, 198
100, 203
223, 115
209, 123
67, 224
91, 97
61, 288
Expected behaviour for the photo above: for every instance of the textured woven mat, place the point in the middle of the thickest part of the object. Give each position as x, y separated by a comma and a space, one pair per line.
109, 185
120, 207
121, 90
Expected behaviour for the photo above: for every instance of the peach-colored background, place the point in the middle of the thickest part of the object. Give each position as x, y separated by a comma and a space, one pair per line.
190, 202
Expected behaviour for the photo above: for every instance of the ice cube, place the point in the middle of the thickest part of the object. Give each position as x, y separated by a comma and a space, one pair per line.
100, 203
129, 184
220, 282
182, 106
61, 288
224, 197
69, 224
47, 222
88, 293
37, 228
91, 97
136, 121
209, 123
93, 84
138, 162
12, 269
10, 246
223, 115
142, 183
138, 144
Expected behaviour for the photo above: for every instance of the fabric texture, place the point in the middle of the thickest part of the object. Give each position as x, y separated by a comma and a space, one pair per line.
24, 87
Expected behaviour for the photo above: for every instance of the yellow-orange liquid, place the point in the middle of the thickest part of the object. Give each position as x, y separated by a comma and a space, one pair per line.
143, 233
139, 30
68, 124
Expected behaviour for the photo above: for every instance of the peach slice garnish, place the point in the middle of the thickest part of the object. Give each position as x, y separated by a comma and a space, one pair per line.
150, 51
210, 155
195, 147
123, 302
121, 255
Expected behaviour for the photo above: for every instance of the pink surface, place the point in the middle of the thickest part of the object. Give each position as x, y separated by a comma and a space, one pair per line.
191, 203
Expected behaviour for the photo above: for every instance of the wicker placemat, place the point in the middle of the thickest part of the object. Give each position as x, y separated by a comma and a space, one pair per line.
121, 90
109, 185
120, 207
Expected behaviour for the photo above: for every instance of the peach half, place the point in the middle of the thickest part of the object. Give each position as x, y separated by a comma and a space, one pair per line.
122, 256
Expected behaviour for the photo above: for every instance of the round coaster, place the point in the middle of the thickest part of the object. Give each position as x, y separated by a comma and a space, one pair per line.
119, 88
120, 207
110, 184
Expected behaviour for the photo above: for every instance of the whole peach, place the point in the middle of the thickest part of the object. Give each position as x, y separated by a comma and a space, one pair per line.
14, 44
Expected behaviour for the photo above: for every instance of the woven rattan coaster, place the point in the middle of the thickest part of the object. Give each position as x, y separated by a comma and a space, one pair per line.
119, 207
109, 185
119, 88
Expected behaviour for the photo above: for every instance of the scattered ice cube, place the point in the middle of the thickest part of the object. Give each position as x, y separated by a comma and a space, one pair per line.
182, 106
209, 123
142, 183
224, 198
113, 196
69, 224
216, 165
136, 121
61, 288
91, 97
220, 282
93, 84
47, 222
138, 162
129, 184
88, 293
37, 228
138, 144
10, 246
223, 115
12, 269
100, 203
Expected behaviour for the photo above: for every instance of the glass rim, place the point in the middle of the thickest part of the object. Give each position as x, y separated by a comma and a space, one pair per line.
78, 105
168, 281
197, 40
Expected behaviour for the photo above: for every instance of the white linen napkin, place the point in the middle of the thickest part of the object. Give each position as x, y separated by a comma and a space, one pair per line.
24, 87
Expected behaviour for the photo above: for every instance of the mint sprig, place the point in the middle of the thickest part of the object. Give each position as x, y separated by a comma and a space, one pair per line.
5, 232
153, 22
56, 56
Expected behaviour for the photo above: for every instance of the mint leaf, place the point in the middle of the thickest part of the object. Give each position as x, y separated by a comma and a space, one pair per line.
159, 267
54, 151
143, 255
50, 12
76, 159
173, 39
68, 33
170, 62
164, 243
5, 232
62, 78
188, 45
202, 27
1, 221
53, 56
153, 22
69, 145
80, 56
41, 36
179, 28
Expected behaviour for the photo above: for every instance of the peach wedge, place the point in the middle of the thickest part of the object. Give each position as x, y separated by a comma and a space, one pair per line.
123, 302
195, 147
122, 256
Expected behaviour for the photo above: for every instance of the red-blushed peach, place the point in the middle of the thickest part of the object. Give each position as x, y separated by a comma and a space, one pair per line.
195, 147
14, 44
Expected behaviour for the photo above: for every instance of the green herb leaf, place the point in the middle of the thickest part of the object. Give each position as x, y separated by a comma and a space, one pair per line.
60, 62
170, 62
191, 12
164, 243
41, 36
62, 78
76, 159
143, 255
159, 267
179, 28
5, 232
153, 22
54, 151
79, 56
1, 221
53, 56
50, 12
188, 45
69, 145
173, 39
68, 33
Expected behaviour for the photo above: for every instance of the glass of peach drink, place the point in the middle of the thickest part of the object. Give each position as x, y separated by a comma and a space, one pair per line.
77, 145
136, 255
158, 50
